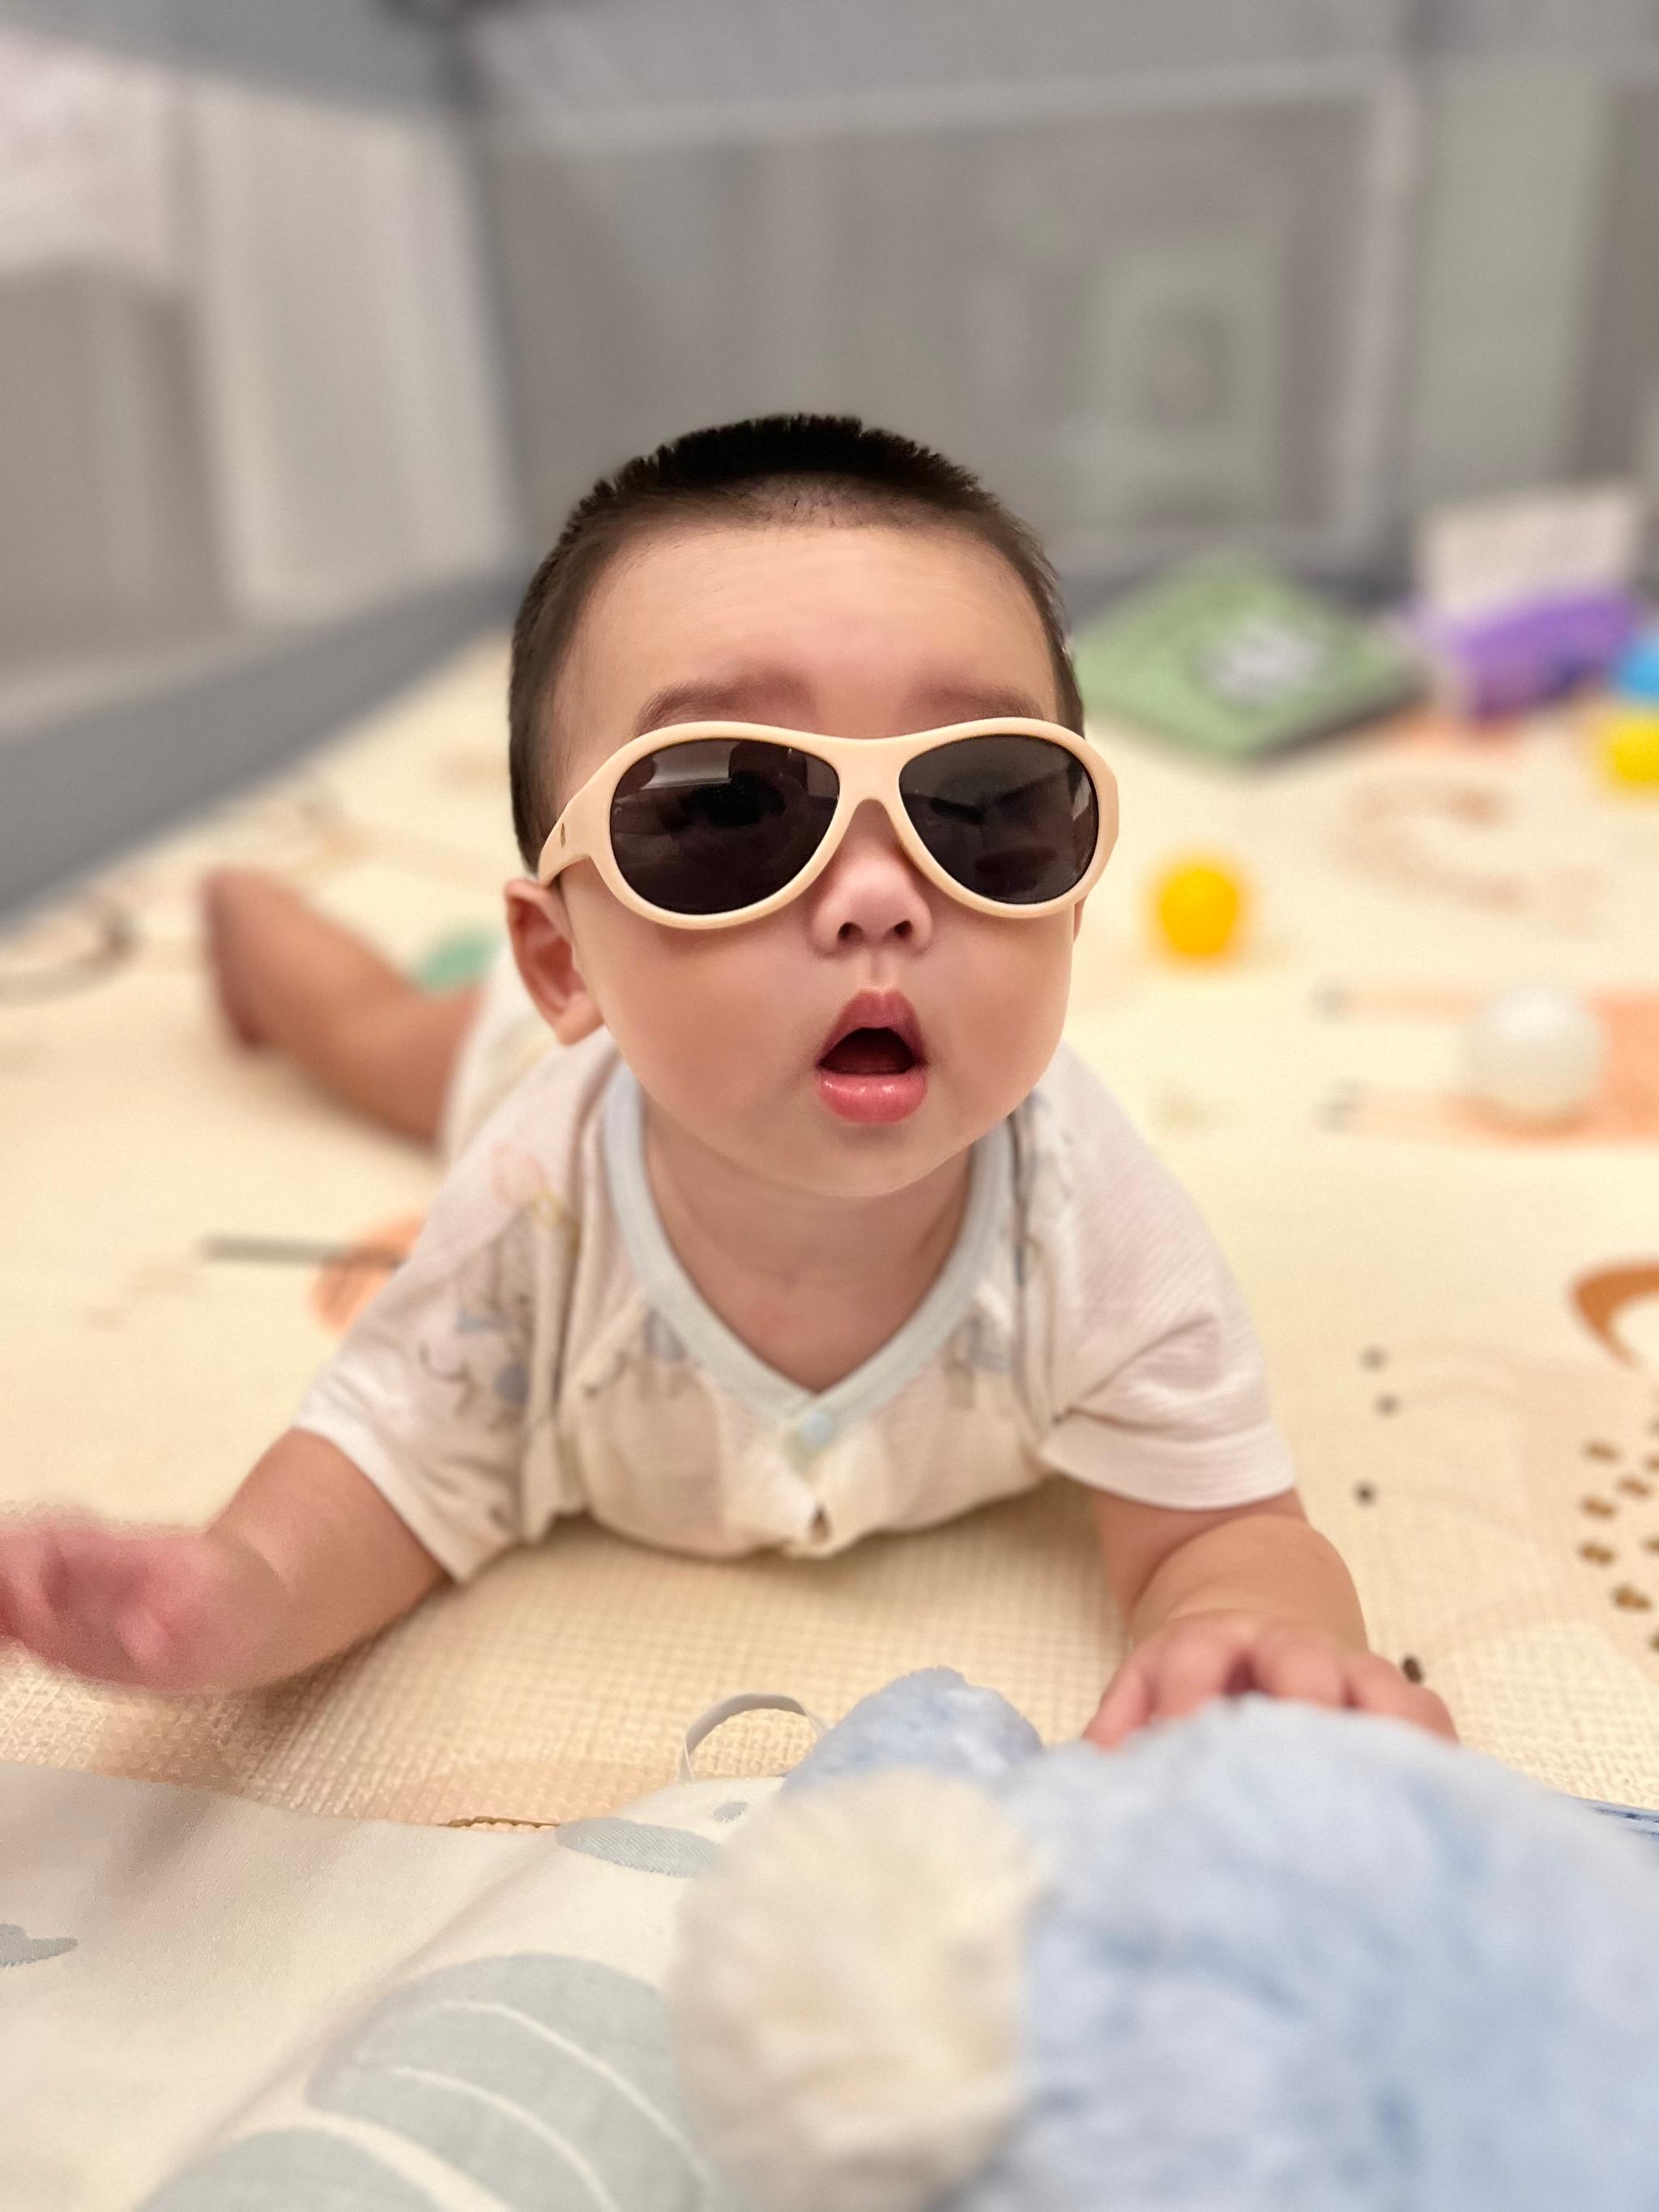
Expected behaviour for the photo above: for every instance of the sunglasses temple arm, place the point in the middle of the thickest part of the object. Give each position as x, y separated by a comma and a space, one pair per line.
565, 843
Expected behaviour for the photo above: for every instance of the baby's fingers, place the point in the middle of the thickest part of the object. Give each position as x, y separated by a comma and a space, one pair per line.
147, 1598
31, 1588
68, 1586
1302, 1669
1126, 1706
1173, 1673
97, 1567
9, 1570
1198, 1663
107, 1584
1376, 1686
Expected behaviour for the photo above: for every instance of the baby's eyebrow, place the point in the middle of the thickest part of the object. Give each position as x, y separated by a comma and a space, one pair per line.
970, 704
783, 698
712, 700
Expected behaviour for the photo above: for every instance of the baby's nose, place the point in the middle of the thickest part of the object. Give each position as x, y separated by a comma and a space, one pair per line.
870, 894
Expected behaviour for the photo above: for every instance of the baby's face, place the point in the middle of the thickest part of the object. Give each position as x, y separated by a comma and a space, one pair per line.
852, 630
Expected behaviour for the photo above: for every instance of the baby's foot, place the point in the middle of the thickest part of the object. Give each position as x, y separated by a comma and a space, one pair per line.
243, 917
153, 1609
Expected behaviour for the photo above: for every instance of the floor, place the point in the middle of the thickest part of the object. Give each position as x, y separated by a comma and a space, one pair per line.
1462, 1326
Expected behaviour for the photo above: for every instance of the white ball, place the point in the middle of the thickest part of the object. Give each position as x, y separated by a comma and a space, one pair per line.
1534, 1055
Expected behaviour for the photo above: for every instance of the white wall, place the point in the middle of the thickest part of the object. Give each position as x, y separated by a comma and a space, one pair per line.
1507, 256
105, 528
344, 351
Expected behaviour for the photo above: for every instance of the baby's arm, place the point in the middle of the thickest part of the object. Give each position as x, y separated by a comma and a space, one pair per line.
306, 1559
1250, 1597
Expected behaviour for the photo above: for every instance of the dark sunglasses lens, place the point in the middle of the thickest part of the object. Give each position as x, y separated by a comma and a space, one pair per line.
719, 823
1013, 818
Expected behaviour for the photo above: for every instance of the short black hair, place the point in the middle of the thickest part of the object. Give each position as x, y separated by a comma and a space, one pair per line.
772, 468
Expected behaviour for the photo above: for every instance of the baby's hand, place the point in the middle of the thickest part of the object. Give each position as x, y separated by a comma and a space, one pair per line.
1222, 1654
169, 1610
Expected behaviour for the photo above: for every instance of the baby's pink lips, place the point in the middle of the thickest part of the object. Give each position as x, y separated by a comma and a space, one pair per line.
873, 1067
878, 1010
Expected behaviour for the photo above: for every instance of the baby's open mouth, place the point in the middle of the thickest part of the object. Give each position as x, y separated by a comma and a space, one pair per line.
875, 1033
874, 1067
869, 1052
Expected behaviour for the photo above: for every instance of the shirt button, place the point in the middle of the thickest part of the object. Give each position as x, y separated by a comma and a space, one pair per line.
815, 1430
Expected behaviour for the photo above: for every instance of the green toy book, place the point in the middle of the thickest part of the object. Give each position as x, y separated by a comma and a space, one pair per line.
1234, 659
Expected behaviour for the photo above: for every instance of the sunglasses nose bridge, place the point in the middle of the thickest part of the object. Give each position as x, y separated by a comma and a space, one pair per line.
868, 775
878, 802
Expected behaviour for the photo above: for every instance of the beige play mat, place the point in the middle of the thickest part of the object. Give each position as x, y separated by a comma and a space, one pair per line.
1463, 1329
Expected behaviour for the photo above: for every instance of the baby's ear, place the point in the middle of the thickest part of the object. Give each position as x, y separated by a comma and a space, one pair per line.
546, 955
848, 1993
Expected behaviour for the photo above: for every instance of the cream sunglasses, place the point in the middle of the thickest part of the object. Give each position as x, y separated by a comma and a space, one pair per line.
704, 824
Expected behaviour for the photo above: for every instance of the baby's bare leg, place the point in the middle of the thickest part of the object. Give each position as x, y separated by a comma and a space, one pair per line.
306, 1560
288, 977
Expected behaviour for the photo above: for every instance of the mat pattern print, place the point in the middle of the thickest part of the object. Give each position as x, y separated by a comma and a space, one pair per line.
1463, 1330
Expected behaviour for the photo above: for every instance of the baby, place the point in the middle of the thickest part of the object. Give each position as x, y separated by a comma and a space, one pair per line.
808, 1225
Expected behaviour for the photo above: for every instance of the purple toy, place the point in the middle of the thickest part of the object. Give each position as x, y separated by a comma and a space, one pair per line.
1516, 657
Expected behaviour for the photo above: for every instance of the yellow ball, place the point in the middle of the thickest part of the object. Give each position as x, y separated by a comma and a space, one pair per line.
1630, 745
1199, 906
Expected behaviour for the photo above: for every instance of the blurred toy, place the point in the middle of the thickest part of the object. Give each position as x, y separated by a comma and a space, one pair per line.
1636, 672
1272, 1958
1624, 1109
1628, 727
1630, 747
1198, 906
1534, 1055
459, 957
1523, 599
1234, 659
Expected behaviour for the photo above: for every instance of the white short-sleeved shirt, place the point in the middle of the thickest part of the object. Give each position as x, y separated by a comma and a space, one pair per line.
543, 1353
